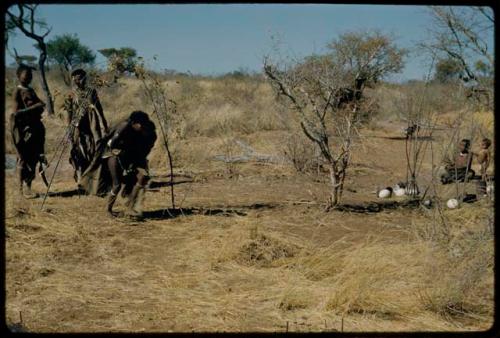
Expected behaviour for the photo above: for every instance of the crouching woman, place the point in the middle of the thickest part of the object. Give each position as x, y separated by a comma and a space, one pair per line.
123, 154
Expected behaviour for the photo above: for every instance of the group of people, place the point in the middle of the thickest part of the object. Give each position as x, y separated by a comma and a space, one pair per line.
460, 169
105, 159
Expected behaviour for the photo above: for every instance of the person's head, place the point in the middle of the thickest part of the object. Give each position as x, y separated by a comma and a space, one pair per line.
138, 119
79, 76
485, 143
464, 145
24, 74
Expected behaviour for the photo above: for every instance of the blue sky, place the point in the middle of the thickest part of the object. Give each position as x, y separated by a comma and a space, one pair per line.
214, 39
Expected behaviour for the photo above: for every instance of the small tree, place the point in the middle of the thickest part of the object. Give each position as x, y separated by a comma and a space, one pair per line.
25, 21
67, 51
326, 93
29, 60
163, 107
120, 60
448, 70
462, 34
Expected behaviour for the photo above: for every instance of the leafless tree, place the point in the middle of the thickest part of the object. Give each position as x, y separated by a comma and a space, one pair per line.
25, 20
163, 107
326, 93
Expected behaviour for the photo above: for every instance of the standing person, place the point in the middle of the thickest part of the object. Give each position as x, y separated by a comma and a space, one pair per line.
28, 131
124, 157
85, 112
484, 159
460, 169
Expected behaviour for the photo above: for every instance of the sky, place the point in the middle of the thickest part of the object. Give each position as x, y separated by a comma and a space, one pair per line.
214, 39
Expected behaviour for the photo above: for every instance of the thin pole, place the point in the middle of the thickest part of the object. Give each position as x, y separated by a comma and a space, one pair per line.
55, 170
156, 111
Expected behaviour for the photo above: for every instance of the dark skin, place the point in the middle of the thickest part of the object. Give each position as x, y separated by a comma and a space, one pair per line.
115, 168
484, 158
85, 113
26, 103
132, 134
461, 161
80, 81
25, 79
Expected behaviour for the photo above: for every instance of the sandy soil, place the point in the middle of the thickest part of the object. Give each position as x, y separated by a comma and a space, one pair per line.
230, 261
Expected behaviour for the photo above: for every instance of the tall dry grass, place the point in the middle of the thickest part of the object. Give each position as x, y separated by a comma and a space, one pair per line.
241, 273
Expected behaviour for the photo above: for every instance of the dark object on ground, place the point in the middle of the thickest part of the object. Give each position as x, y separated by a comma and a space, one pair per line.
17, 328
469, 198
377, 206
457, 175
428, 203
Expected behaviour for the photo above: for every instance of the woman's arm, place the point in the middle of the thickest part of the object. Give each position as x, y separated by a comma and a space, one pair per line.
117, 134
38, 104
68, 107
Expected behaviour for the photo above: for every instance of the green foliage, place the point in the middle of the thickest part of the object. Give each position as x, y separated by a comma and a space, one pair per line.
67, 51
448, 70
10, 30
29, 60
370, 55
120, 59
484, 69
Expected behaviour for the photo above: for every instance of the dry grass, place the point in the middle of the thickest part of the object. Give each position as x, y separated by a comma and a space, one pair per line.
268, 256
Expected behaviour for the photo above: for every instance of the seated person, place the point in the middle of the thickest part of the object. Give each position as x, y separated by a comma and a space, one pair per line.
460, 169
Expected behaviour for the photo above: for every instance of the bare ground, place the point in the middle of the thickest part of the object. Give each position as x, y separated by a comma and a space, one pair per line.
254, 252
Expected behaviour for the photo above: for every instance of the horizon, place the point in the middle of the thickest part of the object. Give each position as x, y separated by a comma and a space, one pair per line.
216, 39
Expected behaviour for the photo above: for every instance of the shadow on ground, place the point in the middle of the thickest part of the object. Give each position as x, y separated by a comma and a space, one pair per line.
173, 213
377, 206
161, 184
239, 210
65, 193
402, 138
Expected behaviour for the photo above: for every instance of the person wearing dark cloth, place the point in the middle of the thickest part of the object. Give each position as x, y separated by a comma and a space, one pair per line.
124, 156
28, 131
460, 169
84, 111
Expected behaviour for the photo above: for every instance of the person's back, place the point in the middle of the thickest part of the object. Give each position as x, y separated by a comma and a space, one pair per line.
129, 145
135, 144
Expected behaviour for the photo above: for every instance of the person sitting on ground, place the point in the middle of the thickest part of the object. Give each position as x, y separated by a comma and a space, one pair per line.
460, 169
484, 159
27, 129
